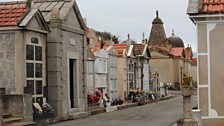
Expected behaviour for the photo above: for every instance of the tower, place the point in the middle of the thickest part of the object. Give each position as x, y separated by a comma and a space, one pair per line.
157, 34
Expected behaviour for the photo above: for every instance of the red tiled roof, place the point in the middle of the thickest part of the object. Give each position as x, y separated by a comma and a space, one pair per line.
176, 51
98, 45
11, 15
194, 62
213, 6
120, 49
138, 49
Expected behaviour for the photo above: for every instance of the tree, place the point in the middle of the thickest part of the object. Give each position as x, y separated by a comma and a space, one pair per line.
107, 36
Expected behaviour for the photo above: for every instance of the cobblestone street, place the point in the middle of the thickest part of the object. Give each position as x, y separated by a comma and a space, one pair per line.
161, 113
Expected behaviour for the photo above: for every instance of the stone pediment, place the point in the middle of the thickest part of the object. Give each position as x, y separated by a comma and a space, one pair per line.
35, 21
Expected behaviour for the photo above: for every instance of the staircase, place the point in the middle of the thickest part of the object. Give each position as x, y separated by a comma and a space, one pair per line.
10, 120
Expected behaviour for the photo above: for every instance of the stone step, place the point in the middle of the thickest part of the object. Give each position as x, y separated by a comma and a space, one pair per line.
78, 115
23, 124
6, 115
12, 120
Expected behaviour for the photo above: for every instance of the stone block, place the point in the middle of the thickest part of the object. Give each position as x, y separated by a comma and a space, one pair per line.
54, 35
54, 49
54, 79
54, 64
187, 82
18, 105
187, 91
187, 122
1, 55
57, 106
55, 93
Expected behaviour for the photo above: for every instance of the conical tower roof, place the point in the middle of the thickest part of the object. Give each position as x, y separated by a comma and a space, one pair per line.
157, 34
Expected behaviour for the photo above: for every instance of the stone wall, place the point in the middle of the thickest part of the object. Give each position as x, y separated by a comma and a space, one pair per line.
63, 43
7, 61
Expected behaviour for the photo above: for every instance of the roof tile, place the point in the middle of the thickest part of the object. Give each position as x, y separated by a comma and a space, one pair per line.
213, 6
11, 15
138, 49
176, 51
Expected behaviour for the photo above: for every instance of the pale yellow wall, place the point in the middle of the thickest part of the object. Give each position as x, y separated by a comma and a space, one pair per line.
164, 67
122, 76
20, 62
211, 74
216, 67
193, 73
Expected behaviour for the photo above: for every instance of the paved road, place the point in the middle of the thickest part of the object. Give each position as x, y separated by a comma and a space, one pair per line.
162, 113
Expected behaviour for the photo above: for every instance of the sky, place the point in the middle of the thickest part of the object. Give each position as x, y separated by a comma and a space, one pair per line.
122, 17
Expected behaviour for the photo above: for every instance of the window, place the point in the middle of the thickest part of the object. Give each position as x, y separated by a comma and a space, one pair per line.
30, 87
34, 71
38, 70
38, 53
39, 87
29, 52
34, 40
30, 69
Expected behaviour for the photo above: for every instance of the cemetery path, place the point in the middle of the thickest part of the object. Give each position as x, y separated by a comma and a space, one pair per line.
161, 113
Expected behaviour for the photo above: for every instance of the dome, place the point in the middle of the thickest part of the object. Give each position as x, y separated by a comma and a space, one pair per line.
175, 41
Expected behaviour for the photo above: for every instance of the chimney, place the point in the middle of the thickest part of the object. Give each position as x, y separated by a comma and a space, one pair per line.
143, 38
129, 40
30, 4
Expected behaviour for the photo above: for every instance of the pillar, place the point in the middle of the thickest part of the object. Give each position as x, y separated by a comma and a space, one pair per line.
187, 91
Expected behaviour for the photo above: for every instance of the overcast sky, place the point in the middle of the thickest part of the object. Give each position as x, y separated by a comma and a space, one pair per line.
121, 17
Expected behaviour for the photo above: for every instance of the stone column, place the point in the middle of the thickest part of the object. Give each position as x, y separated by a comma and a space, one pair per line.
2, 91
187, 91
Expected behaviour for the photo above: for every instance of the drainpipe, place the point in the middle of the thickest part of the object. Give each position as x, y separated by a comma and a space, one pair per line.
84, 71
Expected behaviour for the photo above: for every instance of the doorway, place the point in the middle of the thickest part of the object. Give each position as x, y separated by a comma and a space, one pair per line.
73, 81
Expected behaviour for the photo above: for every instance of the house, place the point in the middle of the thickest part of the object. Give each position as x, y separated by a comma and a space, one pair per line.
91, 38
112, 71
90, 70
131, 68
167, 55
23, 33
207, 15
122, 70
101, 71
142, 54
66, 56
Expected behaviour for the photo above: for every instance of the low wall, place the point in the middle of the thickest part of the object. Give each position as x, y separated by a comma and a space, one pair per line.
19, 105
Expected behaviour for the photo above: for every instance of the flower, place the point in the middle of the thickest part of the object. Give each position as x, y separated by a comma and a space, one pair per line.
47, 108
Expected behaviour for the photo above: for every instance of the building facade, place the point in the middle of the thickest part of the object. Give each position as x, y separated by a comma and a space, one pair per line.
167, 55
66, 56
122, 70
112, 72
101, 70
23, 56
208, 18
142, 54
